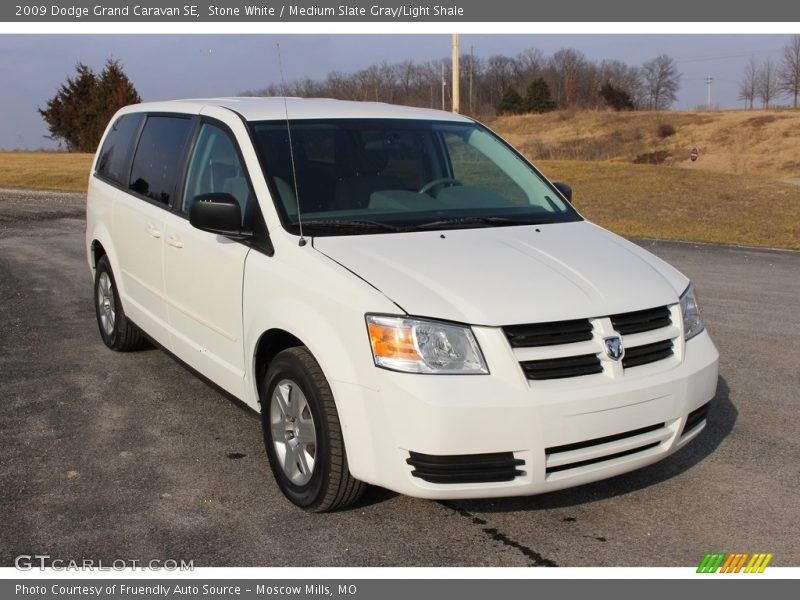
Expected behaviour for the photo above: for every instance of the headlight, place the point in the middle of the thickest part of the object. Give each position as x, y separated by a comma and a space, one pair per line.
418, 346
691, 309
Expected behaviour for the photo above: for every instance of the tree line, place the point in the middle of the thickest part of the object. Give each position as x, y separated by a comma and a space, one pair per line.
768, 80
530, 81
500, 83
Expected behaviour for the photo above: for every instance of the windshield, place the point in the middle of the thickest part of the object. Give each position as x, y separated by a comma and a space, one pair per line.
384, 175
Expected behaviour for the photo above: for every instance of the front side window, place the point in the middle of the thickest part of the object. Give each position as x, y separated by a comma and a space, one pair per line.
158, 158
215, 167
382, 175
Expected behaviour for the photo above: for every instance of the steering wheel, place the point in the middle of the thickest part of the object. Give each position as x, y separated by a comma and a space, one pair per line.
437, 182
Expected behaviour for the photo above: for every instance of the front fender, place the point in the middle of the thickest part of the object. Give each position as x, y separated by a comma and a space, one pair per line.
323, 305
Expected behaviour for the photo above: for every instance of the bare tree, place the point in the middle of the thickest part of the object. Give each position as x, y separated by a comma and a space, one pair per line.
530, 64
661, 81
747, 87
767, 83
471, 74
789, 75
568, 70
501, 73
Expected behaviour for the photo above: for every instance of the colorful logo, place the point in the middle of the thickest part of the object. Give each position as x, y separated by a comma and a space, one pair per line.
739, 562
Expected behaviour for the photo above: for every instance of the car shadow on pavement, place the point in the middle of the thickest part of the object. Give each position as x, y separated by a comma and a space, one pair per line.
721, 419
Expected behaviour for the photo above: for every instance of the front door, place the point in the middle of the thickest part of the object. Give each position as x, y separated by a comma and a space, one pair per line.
203, 272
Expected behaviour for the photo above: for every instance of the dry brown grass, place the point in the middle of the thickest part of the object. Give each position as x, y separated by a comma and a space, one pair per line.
45, 170
673, 203
765, 143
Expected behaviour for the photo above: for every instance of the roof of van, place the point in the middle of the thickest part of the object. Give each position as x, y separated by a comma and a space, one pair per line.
258, 109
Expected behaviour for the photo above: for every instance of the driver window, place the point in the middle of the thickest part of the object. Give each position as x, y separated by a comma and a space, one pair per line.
215, 167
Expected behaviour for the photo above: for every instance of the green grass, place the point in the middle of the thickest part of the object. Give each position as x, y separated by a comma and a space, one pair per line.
632, 200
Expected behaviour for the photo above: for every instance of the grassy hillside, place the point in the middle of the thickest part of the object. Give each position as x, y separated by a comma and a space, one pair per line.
674, 203
765, 143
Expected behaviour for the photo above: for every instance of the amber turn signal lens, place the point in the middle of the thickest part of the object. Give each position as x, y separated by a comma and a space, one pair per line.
392, 342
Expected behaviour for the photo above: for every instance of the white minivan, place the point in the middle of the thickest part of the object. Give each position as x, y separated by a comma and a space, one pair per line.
406, 300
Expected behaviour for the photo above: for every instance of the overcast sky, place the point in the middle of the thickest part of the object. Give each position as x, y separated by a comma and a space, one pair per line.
182, 66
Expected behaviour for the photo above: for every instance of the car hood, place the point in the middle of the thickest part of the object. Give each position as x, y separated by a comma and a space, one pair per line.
509, 275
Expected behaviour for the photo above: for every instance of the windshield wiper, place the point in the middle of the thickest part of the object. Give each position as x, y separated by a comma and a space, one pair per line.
462, 222
356, 224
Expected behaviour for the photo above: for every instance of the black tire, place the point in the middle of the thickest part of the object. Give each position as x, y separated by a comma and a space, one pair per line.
329, 485
121, 335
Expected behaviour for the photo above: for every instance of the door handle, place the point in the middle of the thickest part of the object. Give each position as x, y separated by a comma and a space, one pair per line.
174, 241
156, 233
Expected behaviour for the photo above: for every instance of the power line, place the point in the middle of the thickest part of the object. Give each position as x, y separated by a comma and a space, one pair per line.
702, 58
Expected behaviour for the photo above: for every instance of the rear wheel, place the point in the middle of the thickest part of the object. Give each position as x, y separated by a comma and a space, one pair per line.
117, 331
303, 436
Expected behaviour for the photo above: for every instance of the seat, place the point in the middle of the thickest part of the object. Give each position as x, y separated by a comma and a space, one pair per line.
355, 192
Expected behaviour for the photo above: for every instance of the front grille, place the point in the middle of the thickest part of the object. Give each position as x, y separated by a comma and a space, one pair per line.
646, 354
548, 334
562, 367
564, 349
641, 320
465, 468
696, 417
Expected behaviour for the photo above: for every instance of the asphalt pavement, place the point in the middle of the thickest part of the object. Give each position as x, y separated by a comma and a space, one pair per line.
111, 456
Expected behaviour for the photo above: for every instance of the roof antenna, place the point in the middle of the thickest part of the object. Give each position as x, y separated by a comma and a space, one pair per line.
302, 241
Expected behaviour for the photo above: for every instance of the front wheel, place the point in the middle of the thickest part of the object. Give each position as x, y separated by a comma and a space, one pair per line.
303, 436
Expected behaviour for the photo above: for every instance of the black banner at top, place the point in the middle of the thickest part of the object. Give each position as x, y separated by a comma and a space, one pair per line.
456, 11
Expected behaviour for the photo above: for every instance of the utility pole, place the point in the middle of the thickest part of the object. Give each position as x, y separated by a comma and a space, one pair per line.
456, 65
471, 69
444, 83
709, 81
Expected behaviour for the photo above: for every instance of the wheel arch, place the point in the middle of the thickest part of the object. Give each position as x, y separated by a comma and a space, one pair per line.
101, 245
269, 345
98, 251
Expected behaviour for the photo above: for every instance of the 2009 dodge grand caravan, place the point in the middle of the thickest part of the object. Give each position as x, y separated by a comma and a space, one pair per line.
406, 300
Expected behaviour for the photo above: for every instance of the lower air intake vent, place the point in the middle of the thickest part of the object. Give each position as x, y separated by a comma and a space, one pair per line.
600, 450
465, 468
696, 417
562, 367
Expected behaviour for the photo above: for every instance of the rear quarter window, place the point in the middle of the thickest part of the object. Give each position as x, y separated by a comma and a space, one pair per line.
115, 154
159, 157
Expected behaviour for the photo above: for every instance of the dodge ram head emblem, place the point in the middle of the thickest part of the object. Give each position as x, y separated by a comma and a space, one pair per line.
614, 348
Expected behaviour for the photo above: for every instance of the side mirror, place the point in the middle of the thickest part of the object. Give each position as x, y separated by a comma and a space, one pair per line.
217, 213
565, 189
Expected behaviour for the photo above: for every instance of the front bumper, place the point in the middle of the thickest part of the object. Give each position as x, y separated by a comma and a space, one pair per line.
561, 434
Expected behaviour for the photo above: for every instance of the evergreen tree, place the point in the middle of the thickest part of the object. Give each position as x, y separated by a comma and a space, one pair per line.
83, 105
114, 90
538, 99
68, 113
511, 103
616, 98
